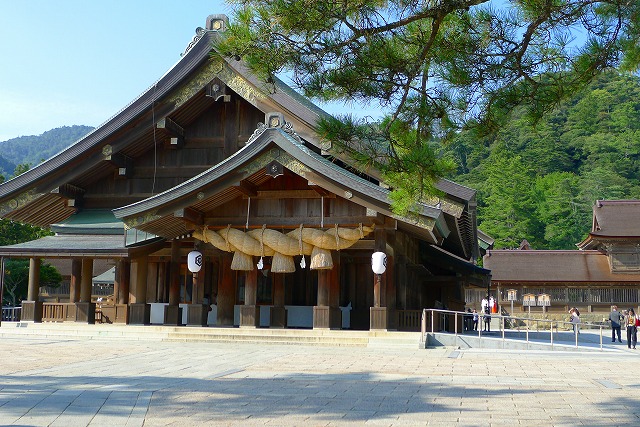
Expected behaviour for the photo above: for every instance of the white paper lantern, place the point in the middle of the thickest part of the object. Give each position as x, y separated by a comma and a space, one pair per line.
379, 262
194, 261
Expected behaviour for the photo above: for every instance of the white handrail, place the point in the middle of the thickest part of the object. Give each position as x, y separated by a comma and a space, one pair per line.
503, 322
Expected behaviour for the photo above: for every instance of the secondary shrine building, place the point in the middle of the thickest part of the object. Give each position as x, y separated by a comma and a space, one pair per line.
604, 272
212, 159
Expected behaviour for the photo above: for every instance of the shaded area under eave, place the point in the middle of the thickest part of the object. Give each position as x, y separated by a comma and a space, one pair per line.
435, 255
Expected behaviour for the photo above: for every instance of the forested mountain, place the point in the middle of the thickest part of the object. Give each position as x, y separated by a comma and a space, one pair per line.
539, 182
36, 148
6, 167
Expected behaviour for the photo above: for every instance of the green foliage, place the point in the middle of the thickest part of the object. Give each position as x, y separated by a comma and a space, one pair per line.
31, 150
436, 68
16, 279
539, 182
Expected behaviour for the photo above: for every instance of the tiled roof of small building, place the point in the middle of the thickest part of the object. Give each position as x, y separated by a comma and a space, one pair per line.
616, 218
524, 266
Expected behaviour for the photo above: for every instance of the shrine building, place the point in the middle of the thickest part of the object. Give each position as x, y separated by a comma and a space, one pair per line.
212, 161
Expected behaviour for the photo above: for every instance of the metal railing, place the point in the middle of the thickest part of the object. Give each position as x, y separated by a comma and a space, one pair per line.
512, 327
11, 314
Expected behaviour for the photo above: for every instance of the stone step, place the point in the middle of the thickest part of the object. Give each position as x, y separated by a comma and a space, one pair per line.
341, 338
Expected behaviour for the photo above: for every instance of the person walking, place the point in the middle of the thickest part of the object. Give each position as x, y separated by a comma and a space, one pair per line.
632, 329
475, 320
575, 320
615, 318
487, 319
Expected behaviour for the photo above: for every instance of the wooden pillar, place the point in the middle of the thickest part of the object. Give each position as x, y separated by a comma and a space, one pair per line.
390, 300
250, 312
401, 280
32, 308
116, 282
34, 279
327, 313
162, 280
323, 288
140, 285
85, 309
139, 310
174, 283
335, 315
278, 312
226, 292
152, 282
378, 313
85, 280
123, 273
120, 312
74, 284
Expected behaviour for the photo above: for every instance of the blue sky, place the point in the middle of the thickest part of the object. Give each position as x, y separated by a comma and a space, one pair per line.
67, 62
78, 62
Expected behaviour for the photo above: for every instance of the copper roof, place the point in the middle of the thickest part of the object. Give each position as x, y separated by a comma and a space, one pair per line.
616, 218
75, 246
566, 266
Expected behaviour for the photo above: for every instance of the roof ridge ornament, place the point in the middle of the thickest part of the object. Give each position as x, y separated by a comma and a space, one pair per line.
274, 120
217, 23
200, 32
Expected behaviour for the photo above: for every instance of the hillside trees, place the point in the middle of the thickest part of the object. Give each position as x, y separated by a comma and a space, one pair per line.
436, 68
587, 149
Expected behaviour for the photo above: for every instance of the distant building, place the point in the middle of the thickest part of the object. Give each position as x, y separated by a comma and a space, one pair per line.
604, 271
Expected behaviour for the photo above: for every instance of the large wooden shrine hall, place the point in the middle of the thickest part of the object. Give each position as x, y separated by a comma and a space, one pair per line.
212, 161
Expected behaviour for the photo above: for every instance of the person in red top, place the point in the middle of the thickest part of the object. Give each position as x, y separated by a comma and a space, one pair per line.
632, 330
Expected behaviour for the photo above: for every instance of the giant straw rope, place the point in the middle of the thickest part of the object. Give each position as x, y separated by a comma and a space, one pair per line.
282, 247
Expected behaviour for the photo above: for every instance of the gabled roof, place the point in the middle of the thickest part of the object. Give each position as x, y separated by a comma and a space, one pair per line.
268, 144
531, 266
197, 68
613, 219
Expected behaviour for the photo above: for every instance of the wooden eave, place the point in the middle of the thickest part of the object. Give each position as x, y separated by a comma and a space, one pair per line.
215, 186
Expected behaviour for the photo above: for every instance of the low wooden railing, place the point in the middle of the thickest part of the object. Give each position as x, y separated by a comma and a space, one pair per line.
409, 320
58, 312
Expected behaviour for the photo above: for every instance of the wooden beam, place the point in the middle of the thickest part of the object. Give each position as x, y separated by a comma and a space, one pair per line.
123, 163
69, 191
73, 194
290, 223
321, 191
170, 127
290, 194
189, 214
246, 188
175, 131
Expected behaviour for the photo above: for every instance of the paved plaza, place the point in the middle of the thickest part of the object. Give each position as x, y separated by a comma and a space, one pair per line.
67, 382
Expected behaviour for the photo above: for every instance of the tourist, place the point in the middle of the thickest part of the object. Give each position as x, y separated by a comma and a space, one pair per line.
615, 318
487, 319
475, 320
632, 330
468, 320
575, 320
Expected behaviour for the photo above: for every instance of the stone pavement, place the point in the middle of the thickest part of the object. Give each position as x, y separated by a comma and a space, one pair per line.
75, 382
